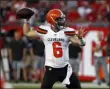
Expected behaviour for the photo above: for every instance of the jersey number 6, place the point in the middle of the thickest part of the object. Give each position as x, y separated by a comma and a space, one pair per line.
57, 50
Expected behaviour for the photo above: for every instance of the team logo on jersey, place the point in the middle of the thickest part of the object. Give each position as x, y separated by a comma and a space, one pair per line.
56, 39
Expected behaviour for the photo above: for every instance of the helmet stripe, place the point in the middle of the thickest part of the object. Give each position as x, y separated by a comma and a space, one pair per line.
53, 19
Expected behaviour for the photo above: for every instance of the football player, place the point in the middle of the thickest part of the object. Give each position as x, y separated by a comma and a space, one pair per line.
56, 37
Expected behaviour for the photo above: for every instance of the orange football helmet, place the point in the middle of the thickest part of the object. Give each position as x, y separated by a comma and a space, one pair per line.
53, 15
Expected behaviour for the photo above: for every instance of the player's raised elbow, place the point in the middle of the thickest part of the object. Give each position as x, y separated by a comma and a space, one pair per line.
32, 34
27, 32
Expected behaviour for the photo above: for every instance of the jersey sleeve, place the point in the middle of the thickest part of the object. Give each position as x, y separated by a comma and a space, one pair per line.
41, 31
70, 32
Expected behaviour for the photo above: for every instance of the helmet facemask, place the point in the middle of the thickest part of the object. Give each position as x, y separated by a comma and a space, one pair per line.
60, 23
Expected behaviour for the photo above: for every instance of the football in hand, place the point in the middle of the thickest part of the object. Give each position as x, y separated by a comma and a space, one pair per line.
24, 13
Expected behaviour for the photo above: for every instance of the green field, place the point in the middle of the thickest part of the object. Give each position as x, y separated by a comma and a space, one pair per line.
58, 86
22, 87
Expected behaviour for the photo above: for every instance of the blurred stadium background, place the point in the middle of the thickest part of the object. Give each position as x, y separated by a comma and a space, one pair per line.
93, 15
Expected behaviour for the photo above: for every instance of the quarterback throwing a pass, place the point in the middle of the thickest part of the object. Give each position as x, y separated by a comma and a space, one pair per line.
56, 38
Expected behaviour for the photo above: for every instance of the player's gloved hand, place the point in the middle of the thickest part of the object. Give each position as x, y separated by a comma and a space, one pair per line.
27, 13
31, 20
26, 21
81, 32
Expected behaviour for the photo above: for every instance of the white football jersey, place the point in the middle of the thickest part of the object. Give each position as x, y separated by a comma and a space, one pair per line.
56, 45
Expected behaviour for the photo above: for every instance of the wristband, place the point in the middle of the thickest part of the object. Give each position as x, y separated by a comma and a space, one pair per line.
79, 37
82, 41
26, 21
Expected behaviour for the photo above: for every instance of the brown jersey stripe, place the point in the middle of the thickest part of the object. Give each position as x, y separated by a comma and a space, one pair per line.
70, 33
42, 31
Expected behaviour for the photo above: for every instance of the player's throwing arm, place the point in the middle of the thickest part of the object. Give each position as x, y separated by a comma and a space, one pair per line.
26, 30
26, 14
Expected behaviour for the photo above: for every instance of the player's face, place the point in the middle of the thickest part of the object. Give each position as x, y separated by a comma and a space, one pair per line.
61, 23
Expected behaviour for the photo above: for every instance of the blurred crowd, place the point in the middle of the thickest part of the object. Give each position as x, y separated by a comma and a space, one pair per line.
26, 56
23, 56
75, 10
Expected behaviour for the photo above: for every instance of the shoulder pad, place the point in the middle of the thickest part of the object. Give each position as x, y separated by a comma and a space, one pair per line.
70, 29
42, 29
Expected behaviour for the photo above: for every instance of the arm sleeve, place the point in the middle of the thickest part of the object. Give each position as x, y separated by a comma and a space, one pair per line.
70, 32
41, 31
